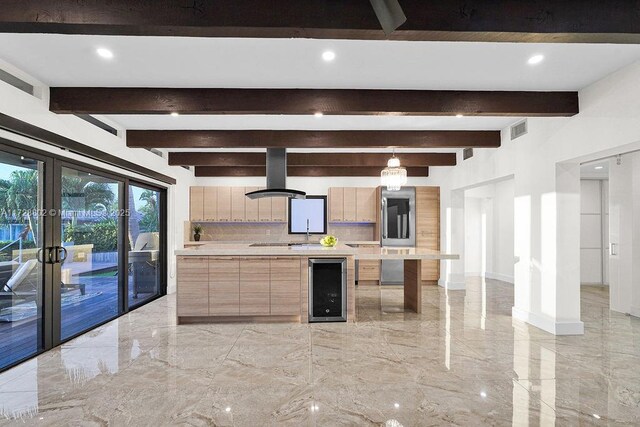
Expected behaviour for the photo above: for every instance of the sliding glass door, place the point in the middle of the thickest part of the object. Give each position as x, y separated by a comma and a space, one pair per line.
90, 254
79, 246
21, 242
144, 244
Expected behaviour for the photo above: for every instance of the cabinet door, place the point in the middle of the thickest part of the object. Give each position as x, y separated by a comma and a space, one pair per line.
369, 270
349, 201
224, 204
336, 204
428, 228
285, 286
224, 286
250, 206
254, 286
237, 204
193, 286
264, 209
365, 204
210, 204
196, 203
279, 209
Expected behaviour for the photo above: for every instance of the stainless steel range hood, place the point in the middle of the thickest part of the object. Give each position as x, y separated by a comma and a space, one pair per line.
276, 177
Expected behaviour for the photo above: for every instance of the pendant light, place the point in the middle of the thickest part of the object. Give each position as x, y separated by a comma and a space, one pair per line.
393, 176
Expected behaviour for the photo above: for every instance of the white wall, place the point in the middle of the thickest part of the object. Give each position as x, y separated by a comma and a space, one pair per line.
489, 231
311, 185
545, 166
23, 106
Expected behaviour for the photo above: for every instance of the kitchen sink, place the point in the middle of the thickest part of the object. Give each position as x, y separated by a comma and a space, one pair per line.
271, 244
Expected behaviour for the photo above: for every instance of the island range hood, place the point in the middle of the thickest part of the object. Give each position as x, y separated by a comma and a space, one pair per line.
276, 177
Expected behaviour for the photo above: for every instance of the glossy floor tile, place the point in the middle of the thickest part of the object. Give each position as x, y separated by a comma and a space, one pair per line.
462, 361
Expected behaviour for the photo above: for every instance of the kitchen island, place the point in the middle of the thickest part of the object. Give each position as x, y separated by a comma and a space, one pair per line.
270, 282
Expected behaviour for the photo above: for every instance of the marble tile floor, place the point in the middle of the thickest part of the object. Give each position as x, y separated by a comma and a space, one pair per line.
463, 361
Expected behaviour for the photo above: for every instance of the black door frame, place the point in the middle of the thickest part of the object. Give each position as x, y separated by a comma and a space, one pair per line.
50, 327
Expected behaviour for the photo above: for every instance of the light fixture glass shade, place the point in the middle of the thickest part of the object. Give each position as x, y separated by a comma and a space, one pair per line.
393, 176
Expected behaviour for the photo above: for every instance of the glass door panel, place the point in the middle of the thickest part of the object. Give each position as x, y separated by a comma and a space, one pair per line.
144, 244
89, 289
21, 272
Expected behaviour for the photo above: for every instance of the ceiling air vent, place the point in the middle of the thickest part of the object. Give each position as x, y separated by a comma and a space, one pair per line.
467, 153
16, 82
518, 130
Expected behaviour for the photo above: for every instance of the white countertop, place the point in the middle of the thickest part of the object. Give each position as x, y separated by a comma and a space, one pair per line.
227, 242
341, 249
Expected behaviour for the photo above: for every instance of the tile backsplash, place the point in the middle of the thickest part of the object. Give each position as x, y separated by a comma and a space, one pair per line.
271, 232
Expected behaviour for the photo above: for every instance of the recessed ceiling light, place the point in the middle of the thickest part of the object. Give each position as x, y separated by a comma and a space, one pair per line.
104, 53
599, 167
175, 114
318, 114
459, 115
328, 55
535, 59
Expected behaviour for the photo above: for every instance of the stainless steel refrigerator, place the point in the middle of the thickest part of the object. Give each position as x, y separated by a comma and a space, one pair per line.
398, 229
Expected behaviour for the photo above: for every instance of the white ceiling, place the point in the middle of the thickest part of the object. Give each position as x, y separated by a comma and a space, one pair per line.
70, 60
306, 122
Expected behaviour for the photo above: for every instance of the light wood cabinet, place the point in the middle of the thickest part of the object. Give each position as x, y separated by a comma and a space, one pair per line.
193, 289
224, 286
428, 228
285, 286
336, 204
251, 206
237, 204
349, 203
264, 209
229, 204
255, 286
196, 203
210, 204
352, 204
366, 204
224, 204
279, 209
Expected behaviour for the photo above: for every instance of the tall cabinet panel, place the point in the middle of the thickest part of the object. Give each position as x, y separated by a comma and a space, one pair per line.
237, 204
251, 207
336, 204
196, 203
264, 209
224, 286
210, 204
349, 203
428, 228
279, 209
365, 204
224, 204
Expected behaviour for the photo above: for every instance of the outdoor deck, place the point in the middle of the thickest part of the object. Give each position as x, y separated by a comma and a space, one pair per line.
19, 340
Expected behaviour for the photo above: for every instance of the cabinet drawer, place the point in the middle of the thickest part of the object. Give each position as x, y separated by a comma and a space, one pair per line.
368, 270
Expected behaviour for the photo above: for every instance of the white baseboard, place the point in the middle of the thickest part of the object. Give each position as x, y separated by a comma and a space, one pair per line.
548, 324
500, 277
634, 311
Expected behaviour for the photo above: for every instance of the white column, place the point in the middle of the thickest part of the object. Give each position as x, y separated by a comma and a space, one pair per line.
547, 247
453, 270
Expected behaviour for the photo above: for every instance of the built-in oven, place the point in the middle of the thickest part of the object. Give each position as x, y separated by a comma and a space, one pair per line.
398, 229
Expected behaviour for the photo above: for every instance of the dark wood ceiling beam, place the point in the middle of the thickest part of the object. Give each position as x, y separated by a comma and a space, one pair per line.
91, 100
311, 139
559, 21
229, 159
215, 171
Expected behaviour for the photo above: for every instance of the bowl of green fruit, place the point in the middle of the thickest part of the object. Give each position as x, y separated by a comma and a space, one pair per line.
329, 241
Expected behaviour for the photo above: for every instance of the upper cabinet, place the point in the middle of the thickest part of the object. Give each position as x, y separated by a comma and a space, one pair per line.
196, 203
229, 204
352, 204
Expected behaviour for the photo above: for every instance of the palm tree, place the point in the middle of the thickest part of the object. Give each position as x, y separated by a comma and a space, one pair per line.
20, 193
